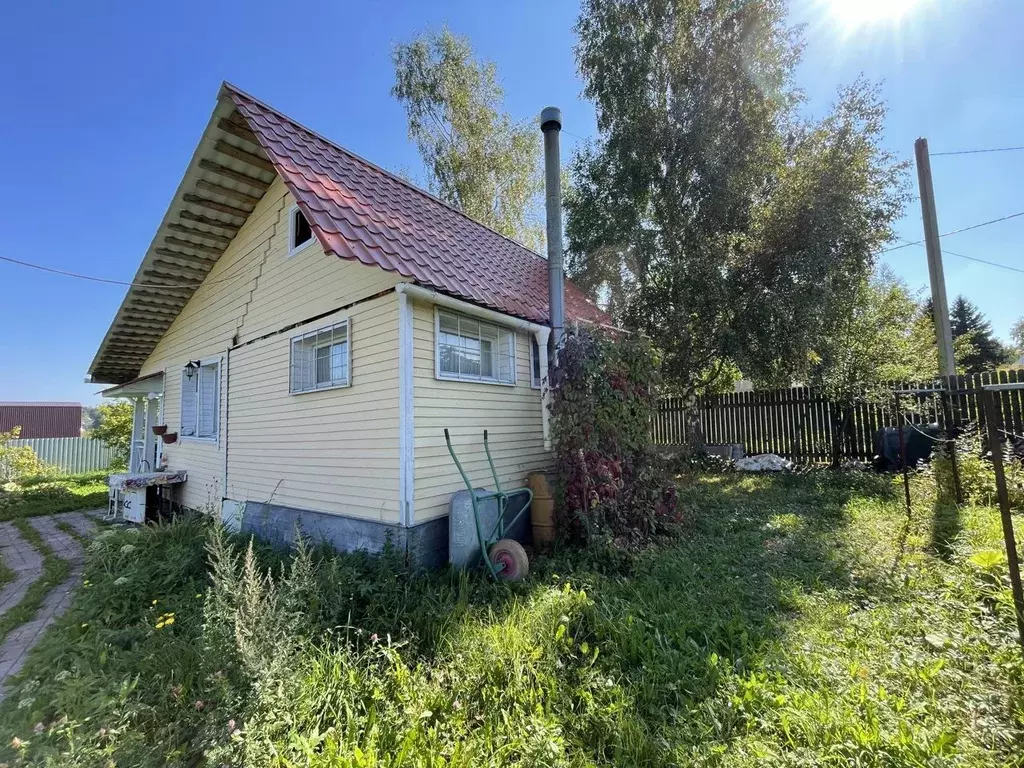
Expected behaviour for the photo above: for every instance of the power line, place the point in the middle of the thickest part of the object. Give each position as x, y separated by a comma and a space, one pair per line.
976, 151
956, 231
970, 258
110, 281
982, 261
80, 276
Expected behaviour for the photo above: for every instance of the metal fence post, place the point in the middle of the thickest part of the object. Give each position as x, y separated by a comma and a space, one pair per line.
947, 417
993, 422
903, 451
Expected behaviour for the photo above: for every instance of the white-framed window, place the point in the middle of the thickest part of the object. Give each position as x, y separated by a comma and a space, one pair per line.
200, 401
535, 374
472, 350
321, 359
300, 234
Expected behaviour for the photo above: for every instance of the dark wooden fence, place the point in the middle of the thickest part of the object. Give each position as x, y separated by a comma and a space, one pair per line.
799, 422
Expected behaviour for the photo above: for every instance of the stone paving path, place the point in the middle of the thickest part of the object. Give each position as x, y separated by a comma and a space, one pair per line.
27, 564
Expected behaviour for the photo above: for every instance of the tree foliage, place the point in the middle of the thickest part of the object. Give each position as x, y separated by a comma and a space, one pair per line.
1017, 333
114, 428
881, 334
924, 329
877, 337
478, 159
967, 321
714, 217
1017, 340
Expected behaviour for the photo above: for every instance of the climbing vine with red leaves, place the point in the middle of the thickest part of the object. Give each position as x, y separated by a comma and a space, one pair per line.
610, 482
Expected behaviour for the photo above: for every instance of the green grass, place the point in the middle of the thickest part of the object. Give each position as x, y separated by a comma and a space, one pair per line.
47, 495
800, 620
6, 574
70, 530
55, 571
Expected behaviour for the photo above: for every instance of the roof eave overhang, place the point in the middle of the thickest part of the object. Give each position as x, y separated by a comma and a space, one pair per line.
225, 178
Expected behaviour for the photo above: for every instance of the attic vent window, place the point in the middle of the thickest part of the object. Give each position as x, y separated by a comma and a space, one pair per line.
300, 234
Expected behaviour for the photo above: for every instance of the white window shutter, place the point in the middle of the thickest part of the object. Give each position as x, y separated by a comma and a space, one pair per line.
208, 400
188, 404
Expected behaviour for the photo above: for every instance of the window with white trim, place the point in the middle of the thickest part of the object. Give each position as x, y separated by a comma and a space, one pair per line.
300, 234
200, 401
321, 359
535, 376
471, 350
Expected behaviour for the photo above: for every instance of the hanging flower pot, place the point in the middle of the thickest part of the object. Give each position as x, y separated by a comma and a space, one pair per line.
170, 437
159, 429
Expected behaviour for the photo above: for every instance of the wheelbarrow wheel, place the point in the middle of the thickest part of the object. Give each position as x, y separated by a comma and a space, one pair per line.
510, 559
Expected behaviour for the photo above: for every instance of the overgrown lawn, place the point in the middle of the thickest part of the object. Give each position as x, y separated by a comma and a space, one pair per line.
48, 495
801, 620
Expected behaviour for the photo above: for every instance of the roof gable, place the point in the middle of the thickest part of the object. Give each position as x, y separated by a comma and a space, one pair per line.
357, 211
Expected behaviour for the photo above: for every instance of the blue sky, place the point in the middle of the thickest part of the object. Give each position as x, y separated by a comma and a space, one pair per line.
103, 104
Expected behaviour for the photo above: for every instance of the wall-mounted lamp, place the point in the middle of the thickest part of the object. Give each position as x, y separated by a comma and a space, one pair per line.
191, 367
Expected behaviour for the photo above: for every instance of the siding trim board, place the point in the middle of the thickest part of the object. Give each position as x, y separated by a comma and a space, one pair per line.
406, 422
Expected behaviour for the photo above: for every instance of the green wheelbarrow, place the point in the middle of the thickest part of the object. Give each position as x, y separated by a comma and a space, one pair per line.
505, 558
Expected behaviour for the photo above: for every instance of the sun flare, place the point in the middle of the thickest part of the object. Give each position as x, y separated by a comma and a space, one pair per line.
859, 13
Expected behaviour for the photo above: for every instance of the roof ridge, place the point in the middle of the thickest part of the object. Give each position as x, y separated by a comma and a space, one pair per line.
405, 182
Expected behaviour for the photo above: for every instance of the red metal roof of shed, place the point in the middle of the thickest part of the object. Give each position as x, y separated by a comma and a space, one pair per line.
42, 419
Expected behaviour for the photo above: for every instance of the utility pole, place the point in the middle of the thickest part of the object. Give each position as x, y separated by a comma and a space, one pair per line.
947, 363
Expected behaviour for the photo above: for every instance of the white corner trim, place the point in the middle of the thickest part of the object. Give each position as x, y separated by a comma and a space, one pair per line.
406, 422
223, 416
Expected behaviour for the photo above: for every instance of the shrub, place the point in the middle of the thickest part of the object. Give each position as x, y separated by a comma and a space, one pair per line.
610, 482
17, 461
977, 475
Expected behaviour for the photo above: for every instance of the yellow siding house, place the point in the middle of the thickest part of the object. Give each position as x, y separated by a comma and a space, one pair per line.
303, 328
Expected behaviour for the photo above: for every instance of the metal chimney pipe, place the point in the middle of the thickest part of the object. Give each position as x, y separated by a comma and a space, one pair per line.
551, 125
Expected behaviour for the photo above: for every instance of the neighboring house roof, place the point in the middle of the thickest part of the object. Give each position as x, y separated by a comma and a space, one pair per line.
357, 211
42, 419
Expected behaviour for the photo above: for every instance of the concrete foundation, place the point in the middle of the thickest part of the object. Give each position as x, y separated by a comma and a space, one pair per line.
425, 544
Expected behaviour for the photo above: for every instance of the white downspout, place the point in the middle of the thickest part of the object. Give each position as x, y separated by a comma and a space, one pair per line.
540, 332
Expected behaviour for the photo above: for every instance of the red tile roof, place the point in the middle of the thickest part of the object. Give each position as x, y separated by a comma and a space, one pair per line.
359, 211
